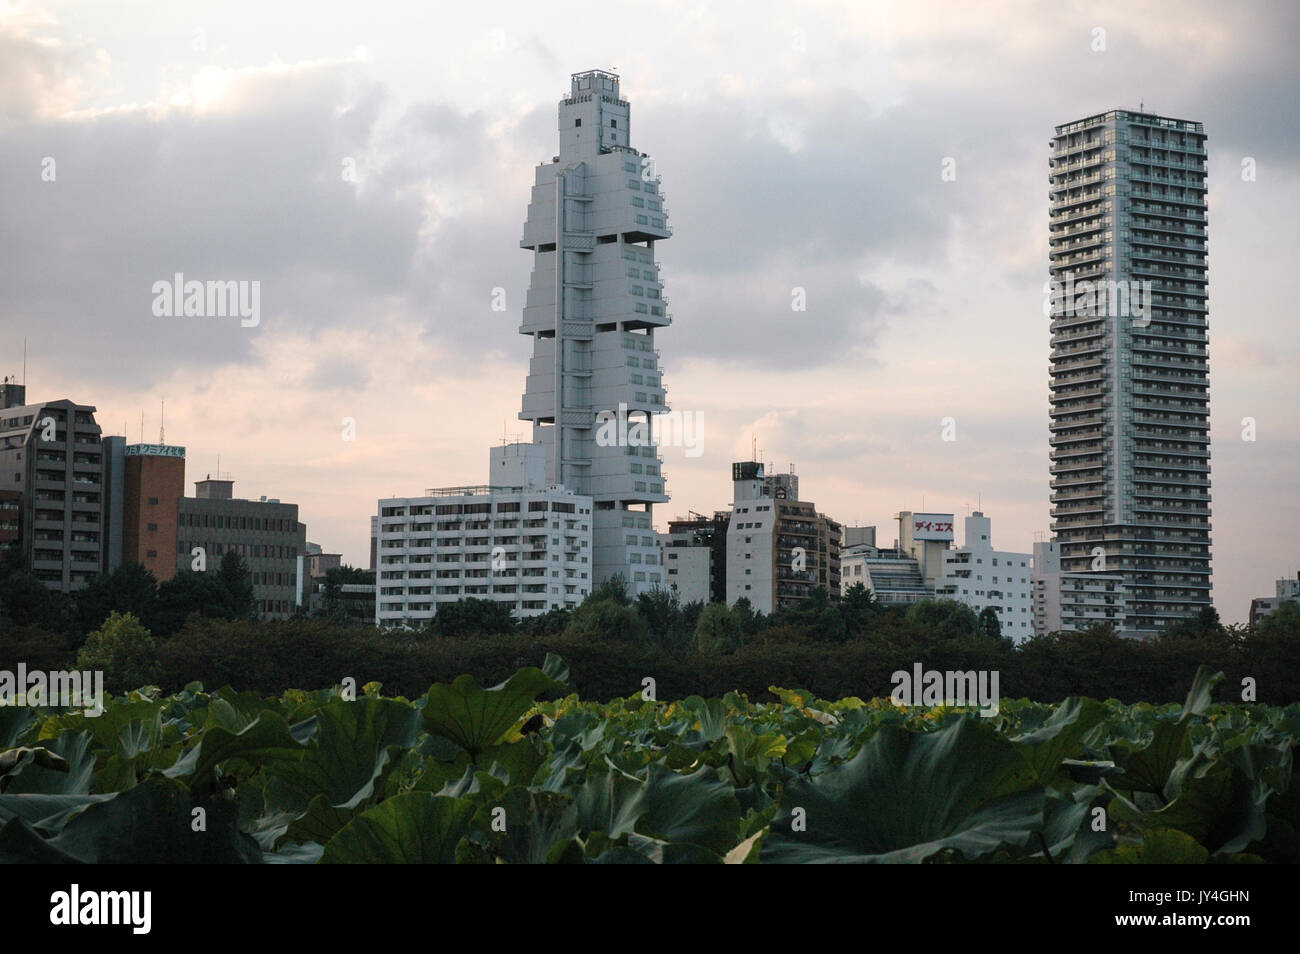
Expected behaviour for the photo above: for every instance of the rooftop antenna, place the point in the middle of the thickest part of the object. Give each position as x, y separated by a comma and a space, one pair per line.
162, 422
24, 361
142, 427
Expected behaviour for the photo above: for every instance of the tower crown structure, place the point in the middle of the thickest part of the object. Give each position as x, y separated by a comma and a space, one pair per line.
594, 303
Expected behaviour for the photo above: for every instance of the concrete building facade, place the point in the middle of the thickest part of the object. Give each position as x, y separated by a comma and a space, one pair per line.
1066, 601
528, 548
779, 548
152, 488
1130, 458
594, 303
266, 533
697, 532
51, 455
893, 576
981, 577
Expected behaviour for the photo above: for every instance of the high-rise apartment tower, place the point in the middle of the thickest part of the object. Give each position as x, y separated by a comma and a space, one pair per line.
1130, 458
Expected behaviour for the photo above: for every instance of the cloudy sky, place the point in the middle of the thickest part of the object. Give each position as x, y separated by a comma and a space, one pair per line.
800, 146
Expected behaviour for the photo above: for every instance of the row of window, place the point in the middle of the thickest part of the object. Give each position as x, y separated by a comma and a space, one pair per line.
226, 521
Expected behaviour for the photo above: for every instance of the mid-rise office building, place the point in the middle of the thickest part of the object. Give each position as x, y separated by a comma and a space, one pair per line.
51, 456
594, 303
779, 548
982, 577
153, 485
1130, 458
266, 533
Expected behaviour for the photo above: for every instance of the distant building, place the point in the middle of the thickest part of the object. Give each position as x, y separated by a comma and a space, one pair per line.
356, 601
779, 548
153, 485
894, 577
114, 455
855, 536
694, 555
11, 536
530, 549
981, 577
1130, 425
51, 455
1287, 591
1069, 601
266, 533
593, 307
687, 569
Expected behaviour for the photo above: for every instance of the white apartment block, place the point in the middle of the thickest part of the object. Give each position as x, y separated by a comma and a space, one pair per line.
687, 569
529, 548
1071, 601
980, 576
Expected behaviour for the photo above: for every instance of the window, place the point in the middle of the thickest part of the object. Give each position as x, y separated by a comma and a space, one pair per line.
153, 501
613, 124
578, 121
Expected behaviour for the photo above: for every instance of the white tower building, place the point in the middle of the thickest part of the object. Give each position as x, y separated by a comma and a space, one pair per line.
982, 577
593, 305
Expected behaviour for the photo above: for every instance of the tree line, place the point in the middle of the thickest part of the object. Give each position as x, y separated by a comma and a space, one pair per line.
190, 629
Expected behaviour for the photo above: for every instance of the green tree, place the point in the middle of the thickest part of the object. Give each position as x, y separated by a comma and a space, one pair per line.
130, 588
942, 619
718, 630
236, 582
1204, 625
1283, 622
26, 601
607, 614
989, 624
187, 593
662, 611
335, 605
613, 588
473, 617
858, 607
749, 619
550, 623
124, 651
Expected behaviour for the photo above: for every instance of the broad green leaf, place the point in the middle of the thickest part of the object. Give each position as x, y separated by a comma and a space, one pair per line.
905, 797
475, 718
1162, 847
414, 828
